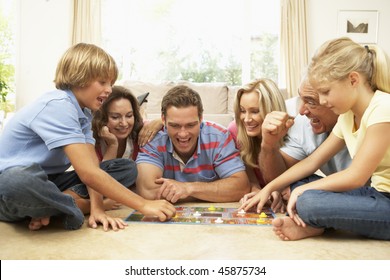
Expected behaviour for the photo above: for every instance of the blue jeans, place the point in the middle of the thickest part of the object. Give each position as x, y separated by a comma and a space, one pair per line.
363, 211
27, 191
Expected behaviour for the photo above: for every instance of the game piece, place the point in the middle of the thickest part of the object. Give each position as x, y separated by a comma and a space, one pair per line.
261, 221
211, 208
241, 212
262, 218
263, 215
197, 214
218, 221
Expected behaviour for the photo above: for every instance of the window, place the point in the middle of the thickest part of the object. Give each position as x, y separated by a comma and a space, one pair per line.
7, 56
196, 40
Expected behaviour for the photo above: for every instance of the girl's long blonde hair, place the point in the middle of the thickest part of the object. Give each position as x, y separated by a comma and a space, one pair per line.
270, 99
337, 58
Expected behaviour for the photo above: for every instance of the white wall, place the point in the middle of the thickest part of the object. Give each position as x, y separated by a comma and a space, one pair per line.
322, 20
44, 34
45, 27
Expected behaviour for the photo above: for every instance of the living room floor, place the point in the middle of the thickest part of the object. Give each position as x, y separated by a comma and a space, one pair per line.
145, 241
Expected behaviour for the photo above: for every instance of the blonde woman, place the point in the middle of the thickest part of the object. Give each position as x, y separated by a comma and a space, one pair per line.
253, 102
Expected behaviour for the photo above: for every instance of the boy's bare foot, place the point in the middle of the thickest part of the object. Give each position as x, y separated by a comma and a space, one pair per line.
110, 204
85, 204
286, 229
37, 223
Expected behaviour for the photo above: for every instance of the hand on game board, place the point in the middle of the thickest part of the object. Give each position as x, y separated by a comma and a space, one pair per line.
158, 208
100, 216
275, 201
172, 190
247, 196
260, 198
277, 204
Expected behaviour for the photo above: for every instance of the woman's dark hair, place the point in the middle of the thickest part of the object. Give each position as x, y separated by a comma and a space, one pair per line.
100, 117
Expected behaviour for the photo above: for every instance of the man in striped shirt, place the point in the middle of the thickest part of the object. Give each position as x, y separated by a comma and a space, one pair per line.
191, 158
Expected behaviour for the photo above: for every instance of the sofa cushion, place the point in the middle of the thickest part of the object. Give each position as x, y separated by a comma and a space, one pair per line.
222, 119
156, 91
214, 95
232, 92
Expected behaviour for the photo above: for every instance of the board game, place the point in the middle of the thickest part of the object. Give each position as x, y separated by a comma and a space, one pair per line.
210, 215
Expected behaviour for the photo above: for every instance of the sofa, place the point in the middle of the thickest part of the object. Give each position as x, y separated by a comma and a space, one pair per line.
218, 98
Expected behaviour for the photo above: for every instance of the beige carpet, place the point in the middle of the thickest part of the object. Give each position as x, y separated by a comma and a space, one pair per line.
180, 242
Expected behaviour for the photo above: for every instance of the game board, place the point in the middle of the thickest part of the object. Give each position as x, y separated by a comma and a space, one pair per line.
210, 215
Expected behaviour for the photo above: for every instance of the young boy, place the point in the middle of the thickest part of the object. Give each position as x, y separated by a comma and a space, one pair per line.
48, 136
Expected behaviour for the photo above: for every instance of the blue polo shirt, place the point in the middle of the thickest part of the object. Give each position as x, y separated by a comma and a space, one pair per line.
216, 156
39, 131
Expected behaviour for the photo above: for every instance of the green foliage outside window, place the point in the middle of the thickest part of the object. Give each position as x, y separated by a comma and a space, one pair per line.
239, 43
7, 69
209, 67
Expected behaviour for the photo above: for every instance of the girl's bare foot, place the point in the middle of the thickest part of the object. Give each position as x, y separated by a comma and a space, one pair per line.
286, 229
37, 223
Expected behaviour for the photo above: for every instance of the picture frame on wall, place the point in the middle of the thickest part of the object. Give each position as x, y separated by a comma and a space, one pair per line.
360, 26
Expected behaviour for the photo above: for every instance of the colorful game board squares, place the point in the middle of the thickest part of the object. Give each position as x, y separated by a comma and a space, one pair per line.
209, 216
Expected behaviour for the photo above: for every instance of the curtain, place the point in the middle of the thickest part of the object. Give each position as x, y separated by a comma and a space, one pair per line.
86, 22
293, 42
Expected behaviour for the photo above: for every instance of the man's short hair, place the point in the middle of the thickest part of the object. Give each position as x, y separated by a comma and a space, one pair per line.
181, 96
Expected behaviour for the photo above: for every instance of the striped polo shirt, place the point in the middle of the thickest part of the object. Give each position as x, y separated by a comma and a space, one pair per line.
216, 156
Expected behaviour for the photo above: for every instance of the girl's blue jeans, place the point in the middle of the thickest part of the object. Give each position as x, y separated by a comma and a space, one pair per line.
27, 191
363, 211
